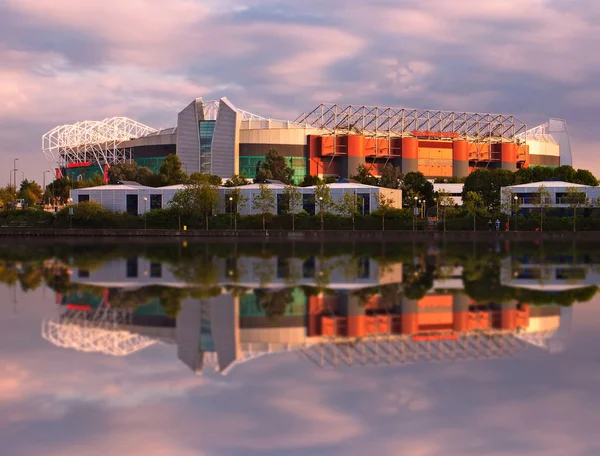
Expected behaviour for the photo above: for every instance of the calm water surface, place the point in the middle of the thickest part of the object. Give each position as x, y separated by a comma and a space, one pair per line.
177, 348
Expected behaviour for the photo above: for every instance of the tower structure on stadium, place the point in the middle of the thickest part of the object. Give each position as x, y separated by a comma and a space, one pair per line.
216, 137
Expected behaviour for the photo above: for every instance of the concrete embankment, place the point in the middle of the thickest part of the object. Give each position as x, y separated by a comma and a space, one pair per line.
329, 235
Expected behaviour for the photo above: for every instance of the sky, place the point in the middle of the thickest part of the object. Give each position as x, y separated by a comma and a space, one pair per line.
63, 61
57, 401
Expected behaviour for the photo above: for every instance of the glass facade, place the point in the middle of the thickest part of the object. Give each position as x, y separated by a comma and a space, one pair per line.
154, 163
206, 128
250, 307
250, 164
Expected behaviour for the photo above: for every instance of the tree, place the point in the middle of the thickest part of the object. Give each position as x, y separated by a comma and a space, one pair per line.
542, 201
323, 198
391, 176
196, 198
488, 184
474, 205
585, 177
264, 202
122, 172
415, 184
309, 181
238, 201
294, 200
236, 180
363, 175
444, 200
274, 167
564, 173
171, 171
384, 205
203, 177
31, 192
347, 205
575, 198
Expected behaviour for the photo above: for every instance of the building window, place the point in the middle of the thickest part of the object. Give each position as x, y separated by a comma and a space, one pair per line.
156, 270
155, 201
283, 204
82, 198
283, 267
363, 201
132, 267
83, 273
364, 268
308, 268
131, 204
308, 203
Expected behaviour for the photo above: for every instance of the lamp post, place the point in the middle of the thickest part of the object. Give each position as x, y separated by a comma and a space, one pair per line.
516, 198
44, 186
15, 171
145, 210
415, 213
231, 209
321, 210
437, 210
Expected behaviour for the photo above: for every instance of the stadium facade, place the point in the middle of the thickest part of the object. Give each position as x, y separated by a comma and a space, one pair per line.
332, 140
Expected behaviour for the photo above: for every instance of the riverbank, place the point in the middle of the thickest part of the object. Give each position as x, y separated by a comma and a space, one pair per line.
329, 235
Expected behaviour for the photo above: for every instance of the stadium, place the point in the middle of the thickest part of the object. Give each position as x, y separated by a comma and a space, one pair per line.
215, 137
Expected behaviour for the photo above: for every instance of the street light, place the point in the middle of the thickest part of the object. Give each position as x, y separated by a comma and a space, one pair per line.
231, 209
15, 171
415, 212
145, 210
44, 185
516, 198
321, 210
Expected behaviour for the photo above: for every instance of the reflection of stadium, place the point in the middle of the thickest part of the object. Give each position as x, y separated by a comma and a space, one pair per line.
358, 324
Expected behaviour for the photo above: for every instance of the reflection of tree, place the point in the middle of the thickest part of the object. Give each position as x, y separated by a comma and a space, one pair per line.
274, 303
169, 298
264, 270
417, 280
8, 274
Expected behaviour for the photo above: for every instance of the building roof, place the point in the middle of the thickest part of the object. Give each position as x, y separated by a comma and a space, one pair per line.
348, 185
453, 187
113, 187
549, 184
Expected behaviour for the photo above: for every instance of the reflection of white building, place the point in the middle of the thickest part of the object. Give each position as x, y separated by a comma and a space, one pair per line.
338, 273
549, 276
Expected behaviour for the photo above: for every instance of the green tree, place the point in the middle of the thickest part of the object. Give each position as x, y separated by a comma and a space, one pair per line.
31, 192
274, 167
347, 206
293, 197
444, 201
323, 199
123, 172
575, 198
415, 184
564, 173
309, 181
391, 176
364, 176
264, 202
488, 184
384, 205
171, 171
236, 180
237, 201
196, 198
202, 177
585, 177
474, 205
542, 200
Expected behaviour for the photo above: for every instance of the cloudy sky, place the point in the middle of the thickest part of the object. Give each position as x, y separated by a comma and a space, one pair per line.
60, 402
62, 61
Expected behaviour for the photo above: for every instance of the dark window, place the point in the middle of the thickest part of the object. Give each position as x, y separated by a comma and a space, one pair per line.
155, 270
82, 198
132, 267
308, 203
83, 273
283, 268
283, 204
364, 203
155, 202
132, 204
363, 268
308, 268
231, 266
229, 205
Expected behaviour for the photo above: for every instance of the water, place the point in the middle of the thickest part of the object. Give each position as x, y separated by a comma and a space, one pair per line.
267, 348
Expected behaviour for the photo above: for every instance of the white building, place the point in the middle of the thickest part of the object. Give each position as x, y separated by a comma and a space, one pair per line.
453, 190
526, 194
138, 199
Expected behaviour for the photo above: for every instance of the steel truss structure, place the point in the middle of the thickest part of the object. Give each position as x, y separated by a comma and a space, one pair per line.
99, 331
93, 142
384, 122
393, 350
